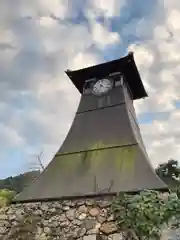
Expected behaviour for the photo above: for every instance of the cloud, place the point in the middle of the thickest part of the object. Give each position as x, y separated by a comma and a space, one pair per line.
107, 8
102, 37
37, 100
158, 59
41, 39
10, 136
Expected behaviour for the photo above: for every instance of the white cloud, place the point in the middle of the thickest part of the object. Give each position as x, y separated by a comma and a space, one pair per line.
32, 75
173, 19
84, 60
107, 8
102, 37
162, 138
158, 61
10, 136
38, 101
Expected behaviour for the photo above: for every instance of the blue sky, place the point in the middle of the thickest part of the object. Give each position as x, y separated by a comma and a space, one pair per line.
41, 39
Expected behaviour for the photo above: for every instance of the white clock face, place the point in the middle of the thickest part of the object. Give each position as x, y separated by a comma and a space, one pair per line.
102, 86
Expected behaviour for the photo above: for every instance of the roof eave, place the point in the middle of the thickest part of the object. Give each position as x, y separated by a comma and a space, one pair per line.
130, 57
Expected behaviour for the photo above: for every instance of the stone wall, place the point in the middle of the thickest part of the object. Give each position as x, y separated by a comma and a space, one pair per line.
66, 220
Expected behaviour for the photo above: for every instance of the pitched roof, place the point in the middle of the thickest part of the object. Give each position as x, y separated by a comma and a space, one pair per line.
126, 65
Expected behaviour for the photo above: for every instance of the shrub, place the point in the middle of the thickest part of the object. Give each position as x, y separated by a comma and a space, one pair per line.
6, 196
144, 215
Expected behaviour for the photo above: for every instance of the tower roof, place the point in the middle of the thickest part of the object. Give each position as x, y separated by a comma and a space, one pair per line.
125, 65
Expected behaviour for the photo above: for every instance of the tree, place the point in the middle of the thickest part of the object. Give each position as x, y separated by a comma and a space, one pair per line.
169, 172
18, 183
38, 163
143, 215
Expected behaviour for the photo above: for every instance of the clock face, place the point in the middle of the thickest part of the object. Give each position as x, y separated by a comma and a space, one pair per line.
102, 86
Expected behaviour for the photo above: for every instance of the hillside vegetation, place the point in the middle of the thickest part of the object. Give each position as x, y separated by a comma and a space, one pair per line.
11, 186
18, 183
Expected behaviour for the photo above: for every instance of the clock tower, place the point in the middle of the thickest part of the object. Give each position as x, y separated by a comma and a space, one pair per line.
103, 153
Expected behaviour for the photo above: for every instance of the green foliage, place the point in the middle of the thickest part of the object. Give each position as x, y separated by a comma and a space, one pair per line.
146, 213
17, 183
6, 196
169, 172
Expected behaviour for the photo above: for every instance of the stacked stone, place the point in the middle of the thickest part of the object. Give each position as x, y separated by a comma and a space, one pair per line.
80, 219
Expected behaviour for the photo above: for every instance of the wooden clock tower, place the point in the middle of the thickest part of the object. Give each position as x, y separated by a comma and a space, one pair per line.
103, 153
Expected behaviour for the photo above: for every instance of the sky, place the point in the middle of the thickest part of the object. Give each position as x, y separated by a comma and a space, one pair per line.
40, 39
